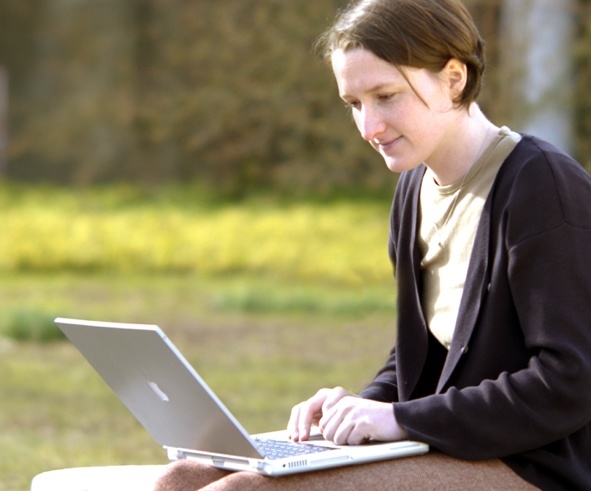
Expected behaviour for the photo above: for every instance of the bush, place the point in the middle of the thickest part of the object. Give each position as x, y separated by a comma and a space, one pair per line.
26, 324
94, 231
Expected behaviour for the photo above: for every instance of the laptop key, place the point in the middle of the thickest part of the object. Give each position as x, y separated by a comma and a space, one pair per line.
279, 449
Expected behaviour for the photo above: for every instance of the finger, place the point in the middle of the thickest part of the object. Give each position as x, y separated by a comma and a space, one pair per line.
304, 415
293, 423
310, 413
339, 426
328, 425
332, 420
353, 432
300, 422
333, 397
343, 432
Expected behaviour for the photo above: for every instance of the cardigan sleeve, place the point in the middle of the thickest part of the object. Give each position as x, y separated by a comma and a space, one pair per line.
546, 243
547, 400
384, 387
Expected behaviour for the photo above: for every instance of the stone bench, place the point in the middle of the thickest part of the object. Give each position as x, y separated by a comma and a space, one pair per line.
106, 478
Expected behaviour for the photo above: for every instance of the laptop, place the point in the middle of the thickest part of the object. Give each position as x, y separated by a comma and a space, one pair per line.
174, 404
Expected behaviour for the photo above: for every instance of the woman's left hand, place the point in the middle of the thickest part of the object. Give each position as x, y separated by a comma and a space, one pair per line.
353, 421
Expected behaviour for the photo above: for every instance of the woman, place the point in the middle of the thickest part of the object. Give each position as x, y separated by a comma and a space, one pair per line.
490, 236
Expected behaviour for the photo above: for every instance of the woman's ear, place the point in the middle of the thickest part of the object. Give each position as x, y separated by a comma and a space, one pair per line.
456, 76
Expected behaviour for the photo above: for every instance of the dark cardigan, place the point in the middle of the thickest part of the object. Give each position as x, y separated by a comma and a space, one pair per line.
516, 383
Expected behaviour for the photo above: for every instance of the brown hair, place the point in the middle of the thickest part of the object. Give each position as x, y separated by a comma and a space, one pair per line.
412, 33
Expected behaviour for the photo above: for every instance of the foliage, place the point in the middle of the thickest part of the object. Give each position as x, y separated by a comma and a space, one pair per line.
128, 231
30, 324
225, 93
583, 85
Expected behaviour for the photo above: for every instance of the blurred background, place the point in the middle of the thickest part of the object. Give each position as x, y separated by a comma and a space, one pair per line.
188, 163
228, 93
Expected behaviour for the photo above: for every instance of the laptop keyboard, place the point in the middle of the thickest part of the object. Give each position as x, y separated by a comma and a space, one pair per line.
280, 449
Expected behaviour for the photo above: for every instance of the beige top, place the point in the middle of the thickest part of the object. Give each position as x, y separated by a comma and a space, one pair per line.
449, 218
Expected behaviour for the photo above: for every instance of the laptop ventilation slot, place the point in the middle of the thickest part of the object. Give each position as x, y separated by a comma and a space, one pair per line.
297, 463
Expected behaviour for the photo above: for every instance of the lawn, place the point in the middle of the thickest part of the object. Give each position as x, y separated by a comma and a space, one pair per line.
268, 301
56, 412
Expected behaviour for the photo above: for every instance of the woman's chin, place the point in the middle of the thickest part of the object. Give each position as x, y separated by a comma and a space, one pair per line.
397, 166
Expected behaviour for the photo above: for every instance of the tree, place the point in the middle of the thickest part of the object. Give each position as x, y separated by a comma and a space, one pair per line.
223, 92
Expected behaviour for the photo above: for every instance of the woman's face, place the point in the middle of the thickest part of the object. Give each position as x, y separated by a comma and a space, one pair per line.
407, 127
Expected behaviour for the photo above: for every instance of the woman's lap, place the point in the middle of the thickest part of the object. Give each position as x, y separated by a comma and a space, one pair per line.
431, 471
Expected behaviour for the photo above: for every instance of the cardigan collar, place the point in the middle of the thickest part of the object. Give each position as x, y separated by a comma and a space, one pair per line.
475, 289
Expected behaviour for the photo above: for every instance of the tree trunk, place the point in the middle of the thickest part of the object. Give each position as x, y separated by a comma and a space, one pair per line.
537, 62
3, 119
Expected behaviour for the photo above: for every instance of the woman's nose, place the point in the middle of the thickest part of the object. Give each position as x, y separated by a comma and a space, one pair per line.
370, 124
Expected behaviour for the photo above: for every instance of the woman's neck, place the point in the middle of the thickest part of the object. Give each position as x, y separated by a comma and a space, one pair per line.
465, 143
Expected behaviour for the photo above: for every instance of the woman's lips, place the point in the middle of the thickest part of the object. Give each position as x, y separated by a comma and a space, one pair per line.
387, 145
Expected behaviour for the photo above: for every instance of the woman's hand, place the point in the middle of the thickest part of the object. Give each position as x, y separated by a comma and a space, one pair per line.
309, 412
344, 418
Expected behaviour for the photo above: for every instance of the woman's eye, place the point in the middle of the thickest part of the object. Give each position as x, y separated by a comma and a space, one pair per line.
351, 104
386, 97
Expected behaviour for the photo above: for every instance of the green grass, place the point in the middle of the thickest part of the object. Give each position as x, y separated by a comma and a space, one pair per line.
30, 324
56, 412
269, 301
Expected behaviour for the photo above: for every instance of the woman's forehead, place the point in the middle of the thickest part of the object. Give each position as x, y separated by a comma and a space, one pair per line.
361, 69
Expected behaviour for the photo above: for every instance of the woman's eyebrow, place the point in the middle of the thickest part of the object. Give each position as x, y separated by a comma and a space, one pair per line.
375, 88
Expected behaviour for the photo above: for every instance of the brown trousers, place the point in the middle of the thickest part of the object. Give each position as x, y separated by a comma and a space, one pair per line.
432, 471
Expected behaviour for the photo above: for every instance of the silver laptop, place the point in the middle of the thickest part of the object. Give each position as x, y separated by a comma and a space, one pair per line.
169, 398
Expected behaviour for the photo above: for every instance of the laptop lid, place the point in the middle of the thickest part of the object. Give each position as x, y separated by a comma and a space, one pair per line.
160, 388
167, 396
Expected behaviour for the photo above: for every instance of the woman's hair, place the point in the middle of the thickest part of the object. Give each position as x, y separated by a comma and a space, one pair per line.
412, 33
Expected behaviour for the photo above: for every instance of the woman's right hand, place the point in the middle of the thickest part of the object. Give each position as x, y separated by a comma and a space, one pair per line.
308, 413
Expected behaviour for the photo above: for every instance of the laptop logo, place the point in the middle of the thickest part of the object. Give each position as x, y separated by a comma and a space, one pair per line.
158, 391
